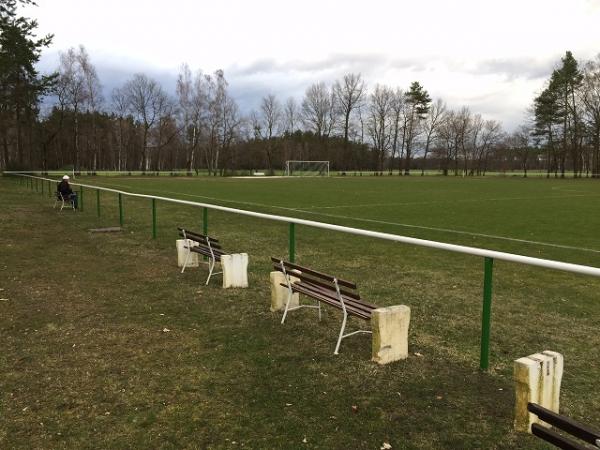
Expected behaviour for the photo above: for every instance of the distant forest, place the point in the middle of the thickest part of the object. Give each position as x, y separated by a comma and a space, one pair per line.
140, 126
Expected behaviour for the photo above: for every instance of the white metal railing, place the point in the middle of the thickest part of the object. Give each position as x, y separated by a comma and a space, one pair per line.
521, 259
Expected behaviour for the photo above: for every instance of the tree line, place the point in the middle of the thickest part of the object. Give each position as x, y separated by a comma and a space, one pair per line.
65, 120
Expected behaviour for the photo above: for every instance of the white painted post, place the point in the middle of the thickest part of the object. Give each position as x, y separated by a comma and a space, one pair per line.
537, 380
182, 253
235, 270
279, 294
390, 333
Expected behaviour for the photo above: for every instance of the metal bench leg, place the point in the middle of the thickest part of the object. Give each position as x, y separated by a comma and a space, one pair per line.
211, 266
337, 347
187, 257
287, 305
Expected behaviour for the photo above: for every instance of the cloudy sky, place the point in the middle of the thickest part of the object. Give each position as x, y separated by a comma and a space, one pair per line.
490, 55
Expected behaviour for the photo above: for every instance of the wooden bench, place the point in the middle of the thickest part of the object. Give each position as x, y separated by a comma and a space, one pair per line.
326, 289
204, 245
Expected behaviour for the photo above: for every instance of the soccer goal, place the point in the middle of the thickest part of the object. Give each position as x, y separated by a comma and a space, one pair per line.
307, 168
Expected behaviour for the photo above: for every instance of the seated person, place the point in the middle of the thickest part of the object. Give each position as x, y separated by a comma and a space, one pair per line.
65, 189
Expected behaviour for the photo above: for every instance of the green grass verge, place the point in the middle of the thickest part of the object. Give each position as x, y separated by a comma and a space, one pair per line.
87, 363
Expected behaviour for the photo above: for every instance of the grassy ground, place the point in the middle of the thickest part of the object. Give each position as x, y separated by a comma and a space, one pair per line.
87, 363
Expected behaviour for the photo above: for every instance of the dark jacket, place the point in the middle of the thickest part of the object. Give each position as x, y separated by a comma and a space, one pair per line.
64, 188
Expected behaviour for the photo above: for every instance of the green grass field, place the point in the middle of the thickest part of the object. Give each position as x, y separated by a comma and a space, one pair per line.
86, 357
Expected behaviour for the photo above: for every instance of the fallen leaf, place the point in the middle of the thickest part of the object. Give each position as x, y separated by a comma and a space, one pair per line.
165, 330
354, 408
3, 299
438, 397
418, 354
386, 446
304, 440
288, 404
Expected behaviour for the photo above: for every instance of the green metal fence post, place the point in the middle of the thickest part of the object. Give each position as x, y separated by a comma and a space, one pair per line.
486, 316
292, 243
98, 201
80, 206
36, 185
153, 218
120, 210
205, 221
42, 183
49, 188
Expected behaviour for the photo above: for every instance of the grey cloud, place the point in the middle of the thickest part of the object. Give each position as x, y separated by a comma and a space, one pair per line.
335, 63
513, 68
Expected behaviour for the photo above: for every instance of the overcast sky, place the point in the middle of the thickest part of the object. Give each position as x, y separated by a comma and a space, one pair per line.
492, 56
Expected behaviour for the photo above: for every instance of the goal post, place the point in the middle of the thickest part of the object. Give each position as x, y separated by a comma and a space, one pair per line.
296, 168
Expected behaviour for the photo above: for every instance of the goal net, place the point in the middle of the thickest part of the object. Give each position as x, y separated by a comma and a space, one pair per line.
307, 168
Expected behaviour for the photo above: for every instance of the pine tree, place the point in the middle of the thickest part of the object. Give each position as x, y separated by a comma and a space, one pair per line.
21, 86
417, 101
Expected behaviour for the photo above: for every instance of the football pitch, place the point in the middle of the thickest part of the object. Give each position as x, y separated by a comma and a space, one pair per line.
556, 219
227, 373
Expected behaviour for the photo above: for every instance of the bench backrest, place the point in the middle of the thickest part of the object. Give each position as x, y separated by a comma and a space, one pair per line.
201, 239
320, 279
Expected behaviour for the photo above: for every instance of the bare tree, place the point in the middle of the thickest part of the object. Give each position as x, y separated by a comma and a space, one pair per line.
291, 115
193, 102
120, 107
349, 94
519, 143
147, 103
431, 125
316, 107
380, 122
397, 113
93, 97
223, 120
72, 84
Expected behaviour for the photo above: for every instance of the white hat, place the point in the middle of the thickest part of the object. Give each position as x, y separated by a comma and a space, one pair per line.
66, 177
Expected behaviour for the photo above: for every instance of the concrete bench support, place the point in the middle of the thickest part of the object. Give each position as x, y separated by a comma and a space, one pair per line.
279, 294
235, 270
390, 333
182, 253
537, 380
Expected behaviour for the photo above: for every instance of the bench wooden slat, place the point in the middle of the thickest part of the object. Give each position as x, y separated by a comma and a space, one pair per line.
315, 273
201, 241
331, 287
193, 234
326, 299
358, 304
181, 230
204, 251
